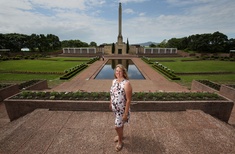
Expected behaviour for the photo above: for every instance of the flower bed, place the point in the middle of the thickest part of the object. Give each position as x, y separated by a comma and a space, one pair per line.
27, 84
164, 70
27, 101
227, 91
105, 96
147, 60
93, 60
210, 84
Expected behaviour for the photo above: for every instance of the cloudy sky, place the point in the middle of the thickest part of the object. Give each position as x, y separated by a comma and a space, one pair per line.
97, 20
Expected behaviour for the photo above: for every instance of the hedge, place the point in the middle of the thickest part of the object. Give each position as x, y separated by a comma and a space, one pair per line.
73, 72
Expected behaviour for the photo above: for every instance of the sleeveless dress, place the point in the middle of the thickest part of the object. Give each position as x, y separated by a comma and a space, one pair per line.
118, 101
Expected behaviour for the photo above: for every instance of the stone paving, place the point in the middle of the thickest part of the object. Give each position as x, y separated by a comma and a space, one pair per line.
44, 131
47, 132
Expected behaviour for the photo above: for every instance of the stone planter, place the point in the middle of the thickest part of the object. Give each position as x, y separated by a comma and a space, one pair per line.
41, 85
20, 107
197, 86
8, 91
225, 91
228, 92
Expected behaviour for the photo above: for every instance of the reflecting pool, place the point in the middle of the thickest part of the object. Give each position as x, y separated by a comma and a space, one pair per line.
107, 72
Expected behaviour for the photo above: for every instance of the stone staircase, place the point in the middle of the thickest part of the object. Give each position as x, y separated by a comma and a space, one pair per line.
44, 131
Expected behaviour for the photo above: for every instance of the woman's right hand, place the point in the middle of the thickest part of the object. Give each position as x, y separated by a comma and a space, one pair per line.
110, 106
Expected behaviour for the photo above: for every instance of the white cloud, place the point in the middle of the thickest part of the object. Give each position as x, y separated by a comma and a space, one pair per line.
142, 14
199, 19
128, 11
15, 4
132, 1
62, 4
90, 20
181, 3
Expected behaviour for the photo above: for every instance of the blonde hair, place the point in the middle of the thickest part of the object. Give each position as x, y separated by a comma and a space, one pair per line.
125, 75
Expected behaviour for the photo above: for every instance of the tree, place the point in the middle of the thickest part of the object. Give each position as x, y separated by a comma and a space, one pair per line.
2, 41
53, 42
113, 48
152, 45
231, 44
93, 44
127, 46
33, 42
173, 43
162, 44
218, 42
74, 43
15, 42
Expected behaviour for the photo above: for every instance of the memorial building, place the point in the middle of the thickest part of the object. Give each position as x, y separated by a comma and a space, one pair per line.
120, 47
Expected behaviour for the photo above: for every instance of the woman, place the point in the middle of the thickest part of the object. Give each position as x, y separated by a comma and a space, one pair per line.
120, 93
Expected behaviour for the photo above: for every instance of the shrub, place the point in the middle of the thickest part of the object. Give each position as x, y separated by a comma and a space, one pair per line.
164, 70
73, 72
92, 60
147, 60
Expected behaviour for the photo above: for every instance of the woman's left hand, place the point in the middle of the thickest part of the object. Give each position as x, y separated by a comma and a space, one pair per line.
124, 118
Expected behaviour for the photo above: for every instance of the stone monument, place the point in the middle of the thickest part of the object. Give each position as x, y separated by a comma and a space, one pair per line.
120, 46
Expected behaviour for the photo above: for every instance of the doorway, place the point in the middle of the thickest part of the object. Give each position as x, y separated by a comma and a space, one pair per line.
119, 51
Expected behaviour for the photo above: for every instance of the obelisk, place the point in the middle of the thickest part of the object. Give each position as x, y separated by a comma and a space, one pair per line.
120, 39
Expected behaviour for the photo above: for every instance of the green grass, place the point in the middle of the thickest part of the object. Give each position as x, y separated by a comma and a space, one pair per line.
25, 77
177, 59
68, 59
200, 66
38, 65
60, 64
55, 64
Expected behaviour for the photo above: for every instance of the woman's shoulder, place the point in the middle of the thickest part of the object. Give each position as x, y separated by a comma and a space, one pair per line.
114, 80
127, 82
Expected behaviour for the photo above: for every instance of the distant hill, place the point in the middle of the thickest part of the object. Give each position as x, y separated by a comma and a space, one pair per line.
147, 43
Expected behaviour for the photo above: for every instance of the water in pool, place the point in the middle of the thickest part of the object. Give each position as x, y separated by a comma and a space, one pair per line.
107, 72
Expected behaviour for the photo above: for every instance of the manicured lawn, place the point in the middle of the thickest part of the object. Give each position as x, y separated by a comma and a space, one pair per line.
68, 59
180, 66
201, 66
56, 64
197, 66
60, 64
38, 65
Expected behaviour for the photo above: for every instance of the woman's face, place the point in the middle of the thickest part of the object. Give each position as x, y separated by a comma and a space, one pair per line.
119, 72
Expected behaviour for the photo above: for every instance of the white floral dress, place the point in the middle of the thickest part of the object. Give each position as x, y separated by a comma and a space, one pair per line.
118, 101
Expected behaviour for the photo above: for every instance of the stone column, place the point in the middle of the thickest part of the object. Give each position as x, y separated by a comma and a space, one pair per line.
120, 24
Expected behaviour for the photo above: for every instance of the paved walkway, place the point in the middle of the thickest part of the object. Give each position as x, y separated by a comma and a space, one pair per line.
46, 132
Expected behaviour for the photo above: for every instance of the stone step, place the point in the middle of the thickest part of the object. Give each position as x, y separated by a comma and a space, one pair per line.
44, 131
14, 134
4, 119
